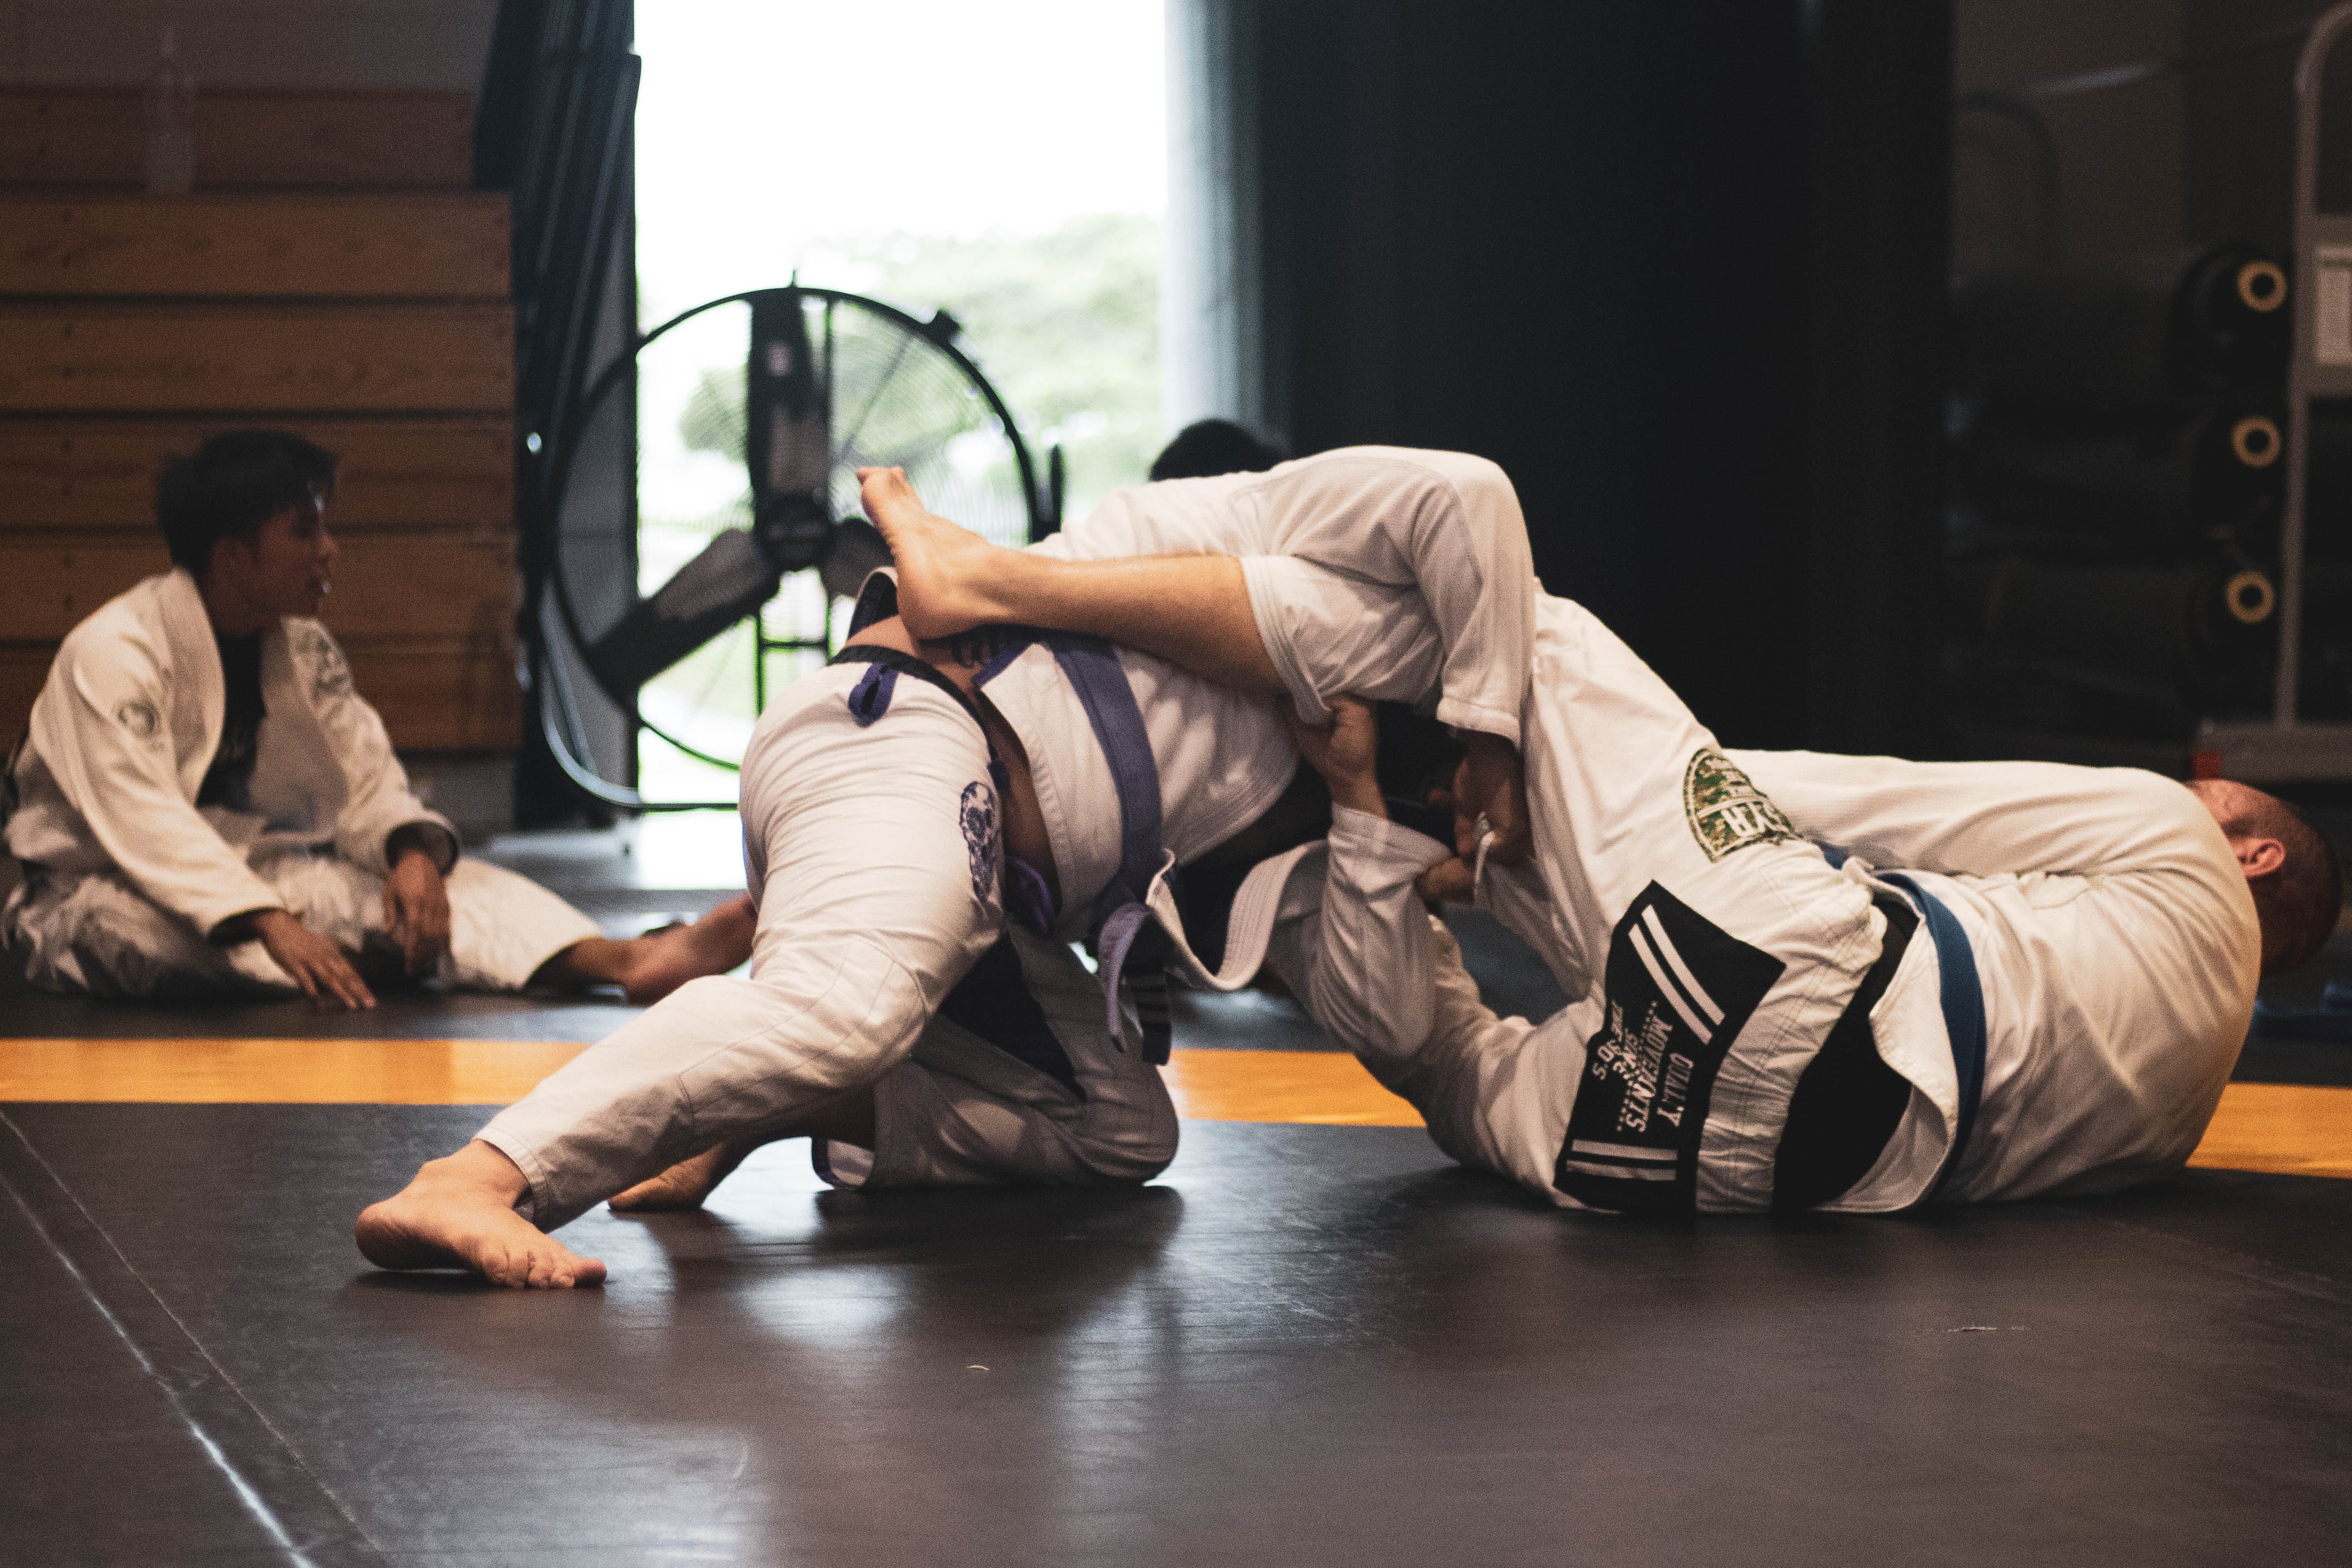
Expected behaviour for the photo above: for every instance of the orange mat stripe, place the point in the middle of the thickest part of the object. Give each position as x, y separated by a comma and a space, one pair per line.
1207, 1085
2288, 1129
1325, 1087
279, 1071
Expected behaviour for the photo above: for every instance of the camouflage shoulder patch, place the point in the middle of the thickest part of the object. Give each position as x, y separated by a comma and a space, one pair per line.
1727, 811
329, 676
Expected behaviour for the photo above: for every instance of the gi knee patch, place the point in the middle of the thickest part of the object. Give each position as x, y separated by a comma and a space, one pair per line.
1678, 989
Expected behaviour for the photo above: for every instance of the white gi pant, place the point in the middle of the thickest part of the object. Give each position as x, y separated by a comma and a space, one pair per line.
961, 1111
1709, 950
956, 1111
92, 932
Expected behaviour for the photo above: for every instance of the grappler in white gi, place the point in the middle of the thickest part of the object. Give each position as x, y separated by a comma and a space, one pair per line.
2043, 991
873, 794
207, 808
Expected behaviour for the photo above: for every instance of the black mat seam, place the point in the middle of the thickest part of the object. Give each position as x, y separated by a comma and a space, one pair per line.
292, 1505
2244, 1265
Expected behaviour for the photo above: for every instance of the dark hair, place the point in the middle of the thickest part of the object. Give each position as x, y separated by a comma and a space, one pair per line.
233, 485
2299, 903
1209, 447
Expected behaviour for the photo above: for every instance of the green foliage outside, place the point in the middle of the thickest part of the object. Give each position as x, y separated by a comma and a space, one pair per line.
1066, 324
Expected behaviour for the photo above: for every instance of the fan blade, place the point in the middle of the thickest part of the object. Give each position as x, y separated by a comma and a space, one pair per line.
729, 580
857, 547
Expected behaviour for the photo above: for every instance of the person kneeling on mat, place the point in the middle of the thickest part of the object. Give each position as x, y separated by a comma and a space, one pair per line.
914, 813
206, 808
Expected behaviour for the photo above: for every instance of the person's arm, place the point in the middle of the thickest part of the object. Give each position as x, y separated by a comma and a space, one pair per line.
1382, 552
382, 819
1386, 981
1983, 819
875, 860
1366, 977
101, 726
1444, 525
416, 896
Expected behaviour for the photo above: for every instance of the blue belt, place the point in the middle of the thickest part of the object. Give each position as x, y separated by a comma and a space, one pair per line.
1964, 1011
1129, 942
1132, 947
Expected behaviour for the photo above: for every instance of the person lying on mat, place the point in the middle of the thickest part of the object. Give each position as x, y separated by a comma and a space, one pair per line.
907, 807
206, 808
1799, 981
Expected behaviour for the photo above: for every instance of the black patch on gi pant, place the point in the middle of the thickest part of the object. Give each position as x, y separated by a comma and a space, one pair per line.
1678, 989
993, 1001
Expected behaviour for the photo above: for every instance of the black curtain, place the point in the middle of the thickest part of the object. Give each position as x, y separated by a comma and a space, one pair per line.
1678, 267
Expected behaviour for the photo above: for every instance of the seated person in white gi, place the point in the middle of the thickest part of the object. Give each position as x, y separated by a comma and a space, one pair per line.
1753, 1025
873, 797
206, 808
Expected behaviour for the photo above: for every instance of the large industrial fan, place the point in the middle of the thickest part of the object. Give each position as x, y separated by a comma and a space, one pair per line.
722, 577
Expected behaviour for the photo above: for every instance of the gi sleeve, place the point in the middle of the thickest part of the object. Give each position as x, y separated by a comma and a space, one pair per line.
1987, 818
1387, 980
377, 802
1445, 525
879, 853
101, 726
1369, 972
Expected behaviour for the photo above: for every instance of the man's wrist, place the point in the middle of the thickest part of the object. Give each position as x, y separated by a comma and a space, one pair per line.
424, 839
1359, 795
247, 925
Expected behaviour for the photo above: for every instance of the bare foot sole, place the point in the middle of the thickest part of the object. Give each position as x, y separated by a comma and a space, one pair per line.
442, 1221
942, 567
686, 1184
664, 960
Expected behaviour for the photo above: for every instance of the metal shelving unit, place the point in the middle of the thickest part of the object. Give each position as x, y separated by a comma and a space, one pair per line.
2286, 750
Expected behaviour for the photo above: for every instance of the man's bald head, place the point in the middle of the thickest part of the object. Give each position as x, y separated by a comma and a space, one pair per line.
2297, 881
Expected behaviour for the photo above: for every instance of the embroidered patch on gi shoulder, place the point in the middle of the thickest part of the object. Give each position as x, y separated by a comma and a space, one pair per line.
977, 812
1678, 990
138, 715
329, 676
1727, 811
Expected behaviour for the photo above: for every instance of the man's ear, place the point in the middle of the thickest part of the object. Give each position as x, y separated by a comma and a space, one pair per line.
2258, 857
236, 547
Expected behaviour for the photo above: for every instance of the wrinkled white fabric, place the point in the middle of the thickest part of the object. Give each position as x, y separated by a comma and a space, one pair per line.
875, 854
95, 933
959, 1111
126, 726
2113, 934
870, 894
1441, 528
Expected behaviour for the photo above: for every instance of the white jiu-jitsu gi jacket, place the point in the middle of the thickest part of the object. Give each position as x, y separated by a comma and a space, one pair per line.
873, 850
127, 724
2110, 927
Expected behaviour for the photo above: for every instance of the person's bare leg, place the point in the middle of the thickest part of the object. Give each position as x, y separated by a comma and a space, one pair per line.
650, 967
689, 1183
1192, 610
459, 1214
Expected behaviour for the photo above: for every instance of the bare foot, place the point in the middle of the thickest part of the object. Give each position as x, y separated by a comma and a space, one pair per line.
652, 966
944, 570
459, 1214
686, 1185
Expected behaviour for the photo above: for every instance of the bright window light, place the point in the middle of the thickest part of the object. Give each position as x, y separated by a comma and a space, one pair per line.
1006, 163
